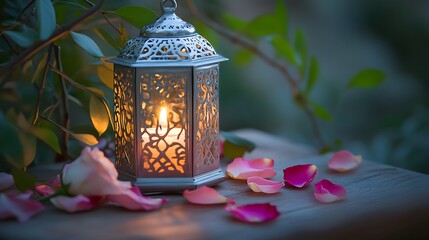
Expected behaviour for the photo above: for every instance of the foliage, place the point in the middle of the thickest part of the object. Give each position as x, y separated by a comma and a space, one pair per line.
49, 91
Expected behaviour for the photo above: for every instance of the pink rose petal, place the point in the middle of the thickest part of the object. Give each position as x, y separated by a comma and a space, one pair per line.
132, 199
242, 169
253, 213
325, 191
6, 180
77, 203
344, 161
300, 175
204, 195
20, 206
258, 184
56, 182
44, 190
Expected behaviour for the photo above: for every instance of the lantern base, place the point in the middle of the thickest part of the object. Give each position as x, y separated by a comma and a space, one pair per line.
175, 184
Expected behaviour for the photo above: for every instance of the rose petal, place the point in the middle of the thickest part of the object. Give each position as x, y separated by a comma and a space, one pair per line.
325, 191
344, 161
77, 203
204, 195
6, 180
56, 182
242, 169
300, 175
254, 213
93, 174
132, 199
258, 184
20, 206
44, 190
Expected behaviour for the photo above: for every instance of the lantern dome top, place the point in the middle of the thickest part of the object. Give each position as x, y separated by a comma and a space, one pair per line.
168, 25
169, 40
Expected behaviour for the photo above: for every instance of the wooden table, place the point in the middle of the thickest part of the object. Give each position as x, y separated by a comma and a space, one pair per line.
382, 202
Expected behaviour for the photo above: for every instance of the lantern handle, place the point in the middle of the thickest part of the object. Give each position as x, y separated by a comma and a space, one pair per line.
166, 8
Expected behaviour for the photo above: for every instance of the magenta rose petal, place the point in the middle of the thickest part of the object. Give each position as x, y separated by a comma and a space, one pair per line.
132, 199
20, 206
204, 195
300, 176
242, 169
6, 180
258, 184
77, 203
44, 190
325, 191
253, 213
344, 161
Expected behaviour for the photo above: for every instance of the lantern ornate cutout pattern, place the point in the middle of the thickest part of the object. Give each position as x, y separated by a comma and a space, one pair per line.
166, 100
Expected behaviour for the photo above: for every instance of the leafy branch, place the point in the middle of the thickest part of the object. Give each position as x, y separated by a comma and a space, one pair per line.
36, 47
297, 95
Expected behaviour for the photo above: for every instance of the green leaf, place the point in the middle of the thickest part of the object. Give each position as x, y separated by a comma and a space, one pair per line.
235, 146
301, 49
243, 56
10, 144
367, 78
234, 23
72, 4
88, 139
283, 49
281, 18
312, 75
105, 73
123, 36
29, 144
45, 18
232, 151
39, 68
136, 15
99, 115
87, 44
23, 180
321, 112
107, 37
47, 136
24, 38
262, 26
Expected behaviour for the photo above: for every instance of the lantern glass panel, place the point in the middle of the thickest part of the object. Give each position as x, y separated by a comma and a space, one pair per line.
124, 118
163, 121
206, 118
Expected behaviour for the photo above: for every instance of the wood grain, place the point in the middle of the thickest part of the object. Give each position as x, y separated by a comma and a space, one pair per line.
383, 202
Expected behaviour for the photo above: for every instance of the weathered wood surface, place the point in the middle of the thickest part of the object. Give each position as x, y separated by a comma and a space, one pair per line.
382, 202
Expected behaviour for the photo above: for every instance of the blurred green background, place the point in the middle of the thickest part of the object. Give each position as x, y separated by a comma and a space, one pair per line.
388, 124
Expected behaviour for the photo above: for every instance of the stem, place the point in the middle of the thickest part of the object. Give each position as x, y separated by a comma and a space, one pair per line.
36, 47
103, 13
64, 96
42, 85
104, 16
293, 84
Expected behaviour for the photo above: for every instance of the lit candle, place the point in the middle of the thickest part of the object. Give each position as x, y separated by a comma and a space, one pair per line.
169, 140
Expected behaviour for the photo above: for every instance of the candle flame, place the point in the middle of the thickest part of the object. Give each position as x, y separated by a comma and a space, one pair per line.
163, 118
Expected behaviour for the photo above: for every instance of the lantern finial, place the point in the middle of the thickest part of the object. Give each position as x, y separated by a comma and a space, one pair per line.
168, 9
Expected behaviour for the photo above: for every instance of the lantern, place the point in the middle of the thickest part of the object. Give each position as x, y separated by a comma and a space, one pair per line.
166, 101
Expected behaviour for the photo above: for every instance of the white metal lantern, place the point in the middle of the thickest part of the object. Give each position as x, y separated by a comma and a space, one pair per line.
166, 99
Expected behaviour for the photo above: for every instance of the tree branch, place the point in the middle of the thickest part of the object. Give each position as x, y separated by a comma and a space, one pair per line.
42, 85
296, 93
29, 52
64, 99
